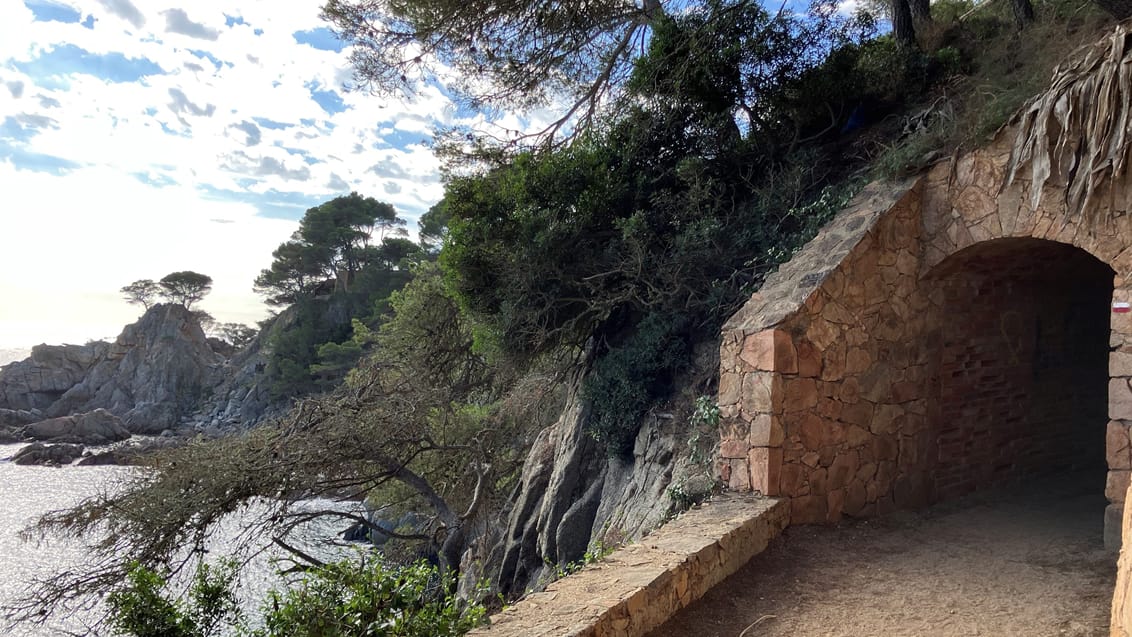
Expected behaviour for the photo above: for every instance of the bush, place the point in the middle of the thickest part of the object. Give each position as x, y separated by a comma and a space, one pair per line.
629, 377
345, 599
142, 608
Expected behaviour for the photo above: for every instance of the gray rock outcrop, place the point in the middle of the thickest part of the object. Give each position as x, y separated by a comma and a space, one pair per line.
98, 427
39, 453
572, 496
150, 376
39, 381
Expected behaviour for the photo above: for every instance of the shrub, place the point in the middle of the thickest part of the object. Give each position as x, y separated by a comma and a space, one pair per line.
369, 600
142, 607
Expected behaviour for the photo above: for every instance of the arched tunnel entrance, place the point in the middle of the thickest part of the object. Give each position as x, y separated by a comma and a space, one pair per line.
1020, 347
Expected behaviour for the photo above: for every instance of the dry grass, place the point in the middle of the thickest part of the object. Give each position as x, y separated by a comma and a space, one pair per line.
994, 69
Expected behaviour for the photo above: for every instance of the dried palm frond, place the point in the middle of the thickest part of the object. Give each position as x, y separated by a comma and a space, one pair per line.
1077, 134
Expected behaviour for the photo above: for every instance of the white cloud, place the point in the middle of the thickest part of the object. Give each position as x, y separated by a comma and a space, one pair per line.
67, 243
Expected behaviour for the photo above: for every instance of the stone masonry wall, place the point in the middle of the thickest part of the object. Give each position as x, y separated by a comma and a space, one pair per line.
938, 335
824, 407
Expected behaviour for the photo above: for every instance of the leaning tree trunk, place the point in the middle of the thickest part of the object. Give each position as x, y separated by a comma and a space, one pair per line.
1023, 12
903, 28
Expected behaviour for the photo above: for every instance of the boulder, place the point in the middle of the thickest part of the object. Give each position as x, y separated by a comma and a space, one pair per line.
130, 453
52, 455
18, 417
98, 427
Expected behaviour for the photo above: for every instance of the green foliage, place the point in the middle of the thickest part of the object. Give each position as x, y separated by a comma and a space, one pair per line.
371, 600
185, 287
330, 274
142, 607
141, 292
237, 335
331, 244
625, 381
650, 230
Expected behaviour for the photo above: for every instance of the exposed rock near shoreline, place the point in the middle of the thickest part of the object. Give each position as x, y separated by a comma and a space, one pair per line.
98, 427
41, 454
162, 374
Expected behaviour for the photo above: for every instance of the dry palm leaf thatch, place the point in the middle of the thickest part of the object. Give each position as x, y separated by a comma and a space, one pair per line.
1077, 134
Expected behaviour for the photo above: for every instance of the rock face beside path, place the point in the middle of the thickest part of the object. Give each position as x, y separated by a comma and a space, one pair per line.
154, 373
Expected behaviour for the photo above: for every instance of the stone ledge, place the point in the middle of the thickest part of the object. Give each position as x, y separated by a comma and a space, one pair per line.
637, 588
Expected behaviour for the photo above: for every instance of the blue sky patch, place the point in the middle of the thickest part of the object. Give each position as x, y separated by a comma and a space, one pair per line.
154, 179
69, 59
330, 101
233, 20
10, 129
321, 38
400, 139
270, 123
205, 55
36, 162
272, 204
89, 22
51, 12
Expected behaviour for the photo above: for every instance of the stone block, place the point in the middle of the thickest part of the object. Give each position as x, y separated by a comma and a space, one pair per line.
843, 469
800, 394
849, 390
792, 480
856, 499
808, 509
1116, 485
766, 469
833, 362
1120, 364
829, 408
740, 479
834, 505
730, 385
856, 436
1117, 450
771, 351
809, 358
1113, 535
766, 431
1120, 399
762, 394
857, 360
886, 419
833, 433
810, 430
860, 414
734, 448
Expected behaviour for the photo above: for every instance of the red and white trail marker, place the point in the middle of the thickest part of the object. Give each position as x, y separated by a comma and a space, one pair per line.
1121, 307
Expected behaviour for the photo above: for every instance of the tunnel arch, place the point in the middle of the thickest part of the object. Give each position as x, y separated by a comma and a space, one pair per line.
1019, 350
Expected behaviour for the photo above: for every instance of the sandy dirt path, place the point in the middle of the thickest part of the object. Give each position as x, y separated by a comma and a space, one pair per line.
1003, 563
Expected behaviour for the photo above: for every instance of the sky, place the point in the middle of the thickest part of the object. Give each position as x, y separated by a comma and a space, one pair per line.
143, 137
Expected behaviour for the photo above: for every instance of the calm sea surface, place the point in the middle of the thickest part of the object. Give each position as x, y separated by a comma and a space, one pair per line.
27, 492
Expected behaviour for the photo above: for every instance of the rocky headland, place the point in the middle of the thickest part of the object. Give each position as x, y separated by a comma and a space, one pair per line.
161, 380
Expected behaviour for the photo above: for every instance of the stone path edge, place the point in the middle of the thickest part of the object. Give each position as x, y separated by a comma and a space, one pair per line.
638, 587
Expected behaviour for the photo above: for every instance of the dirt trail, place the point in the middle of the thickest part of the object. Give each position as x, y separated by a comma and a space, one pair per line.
1003, 563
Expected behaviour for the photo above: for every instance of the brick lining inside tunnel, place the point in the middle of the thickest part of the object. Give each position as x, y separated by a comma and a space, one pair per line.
1021, 357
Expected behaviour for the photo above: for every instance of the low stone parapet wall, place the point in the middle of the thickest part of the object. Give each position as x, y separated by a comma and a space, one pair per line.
638, 587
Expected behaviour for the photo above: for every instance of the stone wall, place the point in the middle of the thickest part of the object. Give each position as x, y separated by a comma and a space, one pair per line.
640, 586
1121, 621
938, 336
